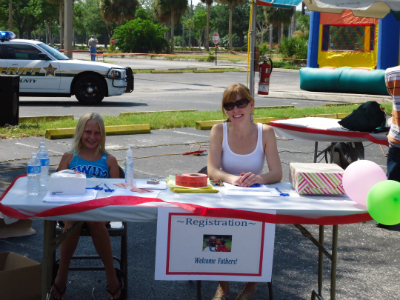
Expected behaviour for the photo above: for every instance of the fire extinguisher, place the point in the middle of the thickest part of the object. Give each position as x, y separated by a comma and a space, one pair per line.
264, 73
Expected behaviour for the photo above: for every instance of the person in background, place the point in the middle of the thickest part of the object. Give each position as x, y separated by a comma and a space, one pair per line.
89, 156
238, 150
92, 48
392, 80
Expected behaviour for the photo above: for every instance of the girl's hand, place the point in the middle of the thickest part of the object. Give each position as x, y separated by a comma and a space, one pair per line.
248, 179
236, 181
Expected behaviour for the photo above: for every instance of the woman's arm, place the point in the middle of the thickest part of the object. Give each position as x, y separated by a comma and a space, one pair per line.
273, 161
214, 157
65, 161
112, 166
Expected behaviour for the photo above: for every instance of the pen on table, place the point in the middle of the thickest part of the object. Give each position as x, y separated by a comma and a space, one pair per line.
281, 194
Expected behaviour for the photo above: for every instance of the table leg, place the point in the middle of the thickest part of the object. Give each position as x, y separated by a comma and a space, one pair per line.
320, 259
48, 256
335, 233
198, 284
316, 152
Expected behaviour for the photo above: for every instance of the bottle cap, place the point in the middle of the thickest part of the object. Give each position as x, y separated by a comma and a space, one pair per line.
34, 154
42, 143
129, 152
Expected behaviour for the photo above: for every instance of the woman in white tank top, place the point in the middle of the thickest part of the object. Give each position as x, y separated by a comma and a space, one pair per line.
238, 149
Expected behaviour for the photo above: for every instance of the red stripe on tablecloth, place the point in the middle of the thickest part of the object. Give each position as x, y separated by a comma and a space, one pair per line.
195, 209
365, 135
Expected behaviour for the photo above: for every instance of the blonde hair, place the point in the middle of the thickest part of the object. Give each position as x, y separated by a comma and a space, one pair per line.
230, 95
80, 127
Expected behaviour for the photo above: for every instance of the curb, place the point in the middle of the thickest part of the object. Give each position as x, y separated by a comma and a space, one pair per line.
151, 112
334, 97
208, 71
207, 125
275, 107
45, 118
63, 133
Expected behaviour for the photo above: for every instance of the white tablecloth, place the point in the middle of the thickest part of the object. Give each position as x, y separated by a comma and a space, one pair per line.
322, 130
294, 205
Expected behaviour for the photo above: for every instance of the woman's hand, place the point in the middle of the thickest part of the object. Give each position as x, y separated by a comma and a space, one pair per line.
247, 179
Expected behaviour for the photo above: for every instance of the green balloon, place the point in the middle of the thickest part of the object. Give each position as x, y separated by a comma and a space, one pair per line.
383, 202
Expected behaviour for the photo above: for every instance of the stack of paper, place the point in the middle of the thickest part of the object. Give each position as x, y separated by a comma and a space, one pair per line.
89, 195
183, 189
233, 190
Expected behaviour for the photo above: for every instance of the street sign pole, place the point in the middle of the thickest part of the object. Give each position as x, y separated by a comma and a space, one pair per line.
215, 39
216, 52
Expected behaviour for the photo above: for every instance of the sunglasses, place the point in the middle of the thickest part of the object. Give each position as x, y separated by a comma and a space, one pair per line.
242, 103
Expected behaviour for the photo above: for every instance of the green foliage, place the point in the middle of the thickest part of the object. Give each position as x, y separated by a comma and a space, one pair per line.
263, 49
240, 49
224, 42
141, 36
293, 48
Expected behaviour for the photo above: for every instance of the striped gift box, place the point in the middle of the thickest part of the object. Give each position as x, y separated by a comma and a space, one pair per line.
316, 179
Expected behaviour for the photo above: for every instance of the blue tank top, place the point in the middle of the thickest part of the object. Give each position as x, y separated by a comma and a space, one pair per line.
92, 169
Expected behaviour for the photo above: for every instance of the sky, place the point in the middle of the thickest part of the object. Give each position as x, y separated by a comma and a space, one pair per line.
198, 1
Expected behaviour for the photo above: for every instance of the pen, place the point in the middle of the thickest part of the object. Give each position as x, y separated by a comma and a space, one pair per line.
282, 194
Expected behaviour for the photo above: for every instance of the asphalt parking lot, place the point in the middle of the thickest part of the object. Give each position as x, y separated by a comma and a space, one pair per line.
368, 264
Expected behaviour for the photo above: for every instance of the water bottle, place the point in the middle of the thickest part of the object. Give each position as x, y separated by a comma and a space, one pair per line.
43, 156
129, 169
34, 167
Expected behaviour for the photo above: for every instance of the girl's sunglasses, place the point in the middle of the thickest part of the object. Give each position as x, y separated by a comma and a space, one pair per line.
242, 103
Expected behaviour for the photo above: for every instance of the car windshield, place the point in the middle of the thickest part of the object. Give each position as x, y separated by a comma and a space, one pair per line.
53, 52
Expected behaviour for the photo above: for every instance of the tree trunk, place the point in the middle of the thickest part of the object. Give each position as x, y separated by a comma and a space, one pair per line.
183, 36
271, 36
208, 29
172, 31
293, 23
303, 10
167, 33
61, 27
10, 17
280, 33
230, 27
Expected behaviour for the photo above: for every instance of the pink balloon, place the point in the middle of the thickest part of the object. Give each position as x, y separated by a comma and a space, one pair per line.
359, 177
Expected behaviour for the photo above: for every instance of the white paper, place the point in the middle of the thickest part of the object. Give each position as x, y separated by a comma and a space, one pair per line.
89, 195
142, 184
233, 190
125, 192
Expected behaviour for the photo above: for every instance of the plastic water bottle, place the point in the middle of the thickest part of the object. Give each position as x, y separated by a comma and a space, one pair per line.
129, 169
33, 175
43, 156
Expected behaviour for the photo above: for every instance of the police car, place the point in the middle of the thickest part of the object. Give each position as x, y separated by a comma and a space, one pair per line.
44, 71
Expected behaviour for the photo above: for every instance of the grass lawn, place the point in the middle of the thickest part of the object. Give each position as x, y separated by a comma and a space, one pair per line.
165, 120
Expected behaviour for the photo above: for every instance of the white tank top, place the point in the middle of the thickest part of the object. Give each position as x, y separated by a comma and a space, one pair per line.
235, 164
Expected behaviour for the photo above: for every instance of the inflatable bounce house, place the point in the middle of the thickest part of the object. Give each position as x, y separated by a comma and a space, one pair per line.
348, 54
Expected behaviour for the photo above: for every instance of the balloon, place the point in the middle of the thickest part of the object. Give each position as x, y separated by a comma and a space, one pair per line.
359, 177
383, 202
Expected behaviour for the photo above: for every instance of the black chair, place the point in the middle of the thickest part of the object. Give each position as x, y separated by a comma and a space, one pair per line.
114, 229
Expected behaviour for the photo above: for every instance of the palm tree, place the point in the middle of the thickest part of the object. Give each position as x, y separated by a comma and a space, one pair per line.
277, 17
232, 4
118, 10
176, 8
208, 3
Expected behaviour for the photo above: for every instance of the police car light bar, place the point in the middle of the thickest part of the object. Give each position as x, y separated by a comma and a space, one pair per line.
6, 35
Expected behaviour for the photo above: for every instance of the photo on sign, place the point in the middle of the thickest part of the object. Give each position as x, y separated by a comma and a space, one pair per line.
217, 243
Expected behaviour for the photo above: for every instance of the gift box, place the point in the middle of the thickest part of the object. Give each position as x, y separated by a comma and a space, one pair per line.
20, 277
317, 179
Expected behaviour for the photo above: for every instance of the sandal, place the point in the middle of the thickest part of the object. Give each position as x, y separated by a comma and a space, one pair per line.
61, 293
121, 286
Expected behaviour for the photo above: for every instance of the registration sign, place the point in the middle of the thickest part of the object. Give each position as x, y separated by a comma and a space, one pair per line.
191, 247
215, 38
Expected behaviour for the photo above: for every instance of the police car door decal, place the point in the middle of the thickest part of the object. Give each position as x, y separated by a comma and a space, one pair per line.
34, 73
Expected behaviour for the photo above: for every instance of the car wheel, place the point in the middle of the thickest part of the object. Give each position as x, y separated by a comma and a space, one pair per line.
89, 89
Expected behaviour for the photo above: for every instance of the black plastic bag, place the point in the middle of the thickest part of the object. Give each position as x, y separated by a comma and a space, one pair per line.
366, 118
